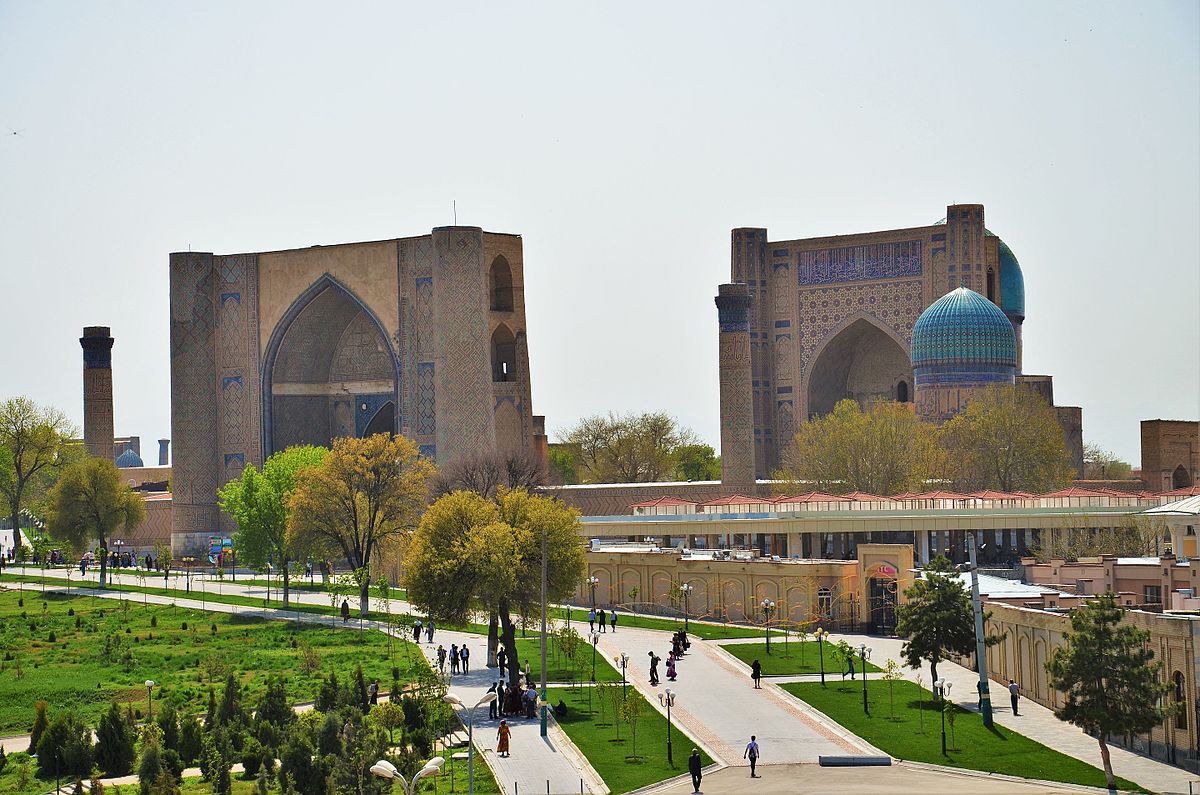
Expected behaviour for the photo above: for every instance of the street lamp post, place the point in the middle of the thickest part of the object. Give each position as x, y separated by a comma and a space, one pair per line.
188, 560
592, 582
150, 700
595, 639
118, 544
767, 606
686, 590
943, 687
667, 699
821, 635
623, 661
486, 698
385, 769
864, 654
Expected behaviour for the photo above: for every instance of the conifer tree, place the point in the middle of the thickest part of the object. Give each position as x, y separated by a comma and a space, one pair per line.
40, 722
1108, 676
114, 743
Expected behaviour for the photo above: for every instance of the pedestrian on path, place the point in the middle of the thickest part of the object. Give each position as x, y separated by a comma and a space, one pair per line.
502, 736
453, 658
612, 619
756, 674
345, 611
850, 666
502, 661
493, 705
463, 657
441, 658
592, 620
600, 618
654, 658
671, 667
751, 753
417, 631
1014, 693
528, 678
694, 767
429, 630
531, 703
373, 691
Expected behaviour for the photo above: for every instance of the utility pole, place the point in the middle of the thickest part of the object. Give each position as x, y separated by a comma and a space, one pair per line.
985, 698
544, 578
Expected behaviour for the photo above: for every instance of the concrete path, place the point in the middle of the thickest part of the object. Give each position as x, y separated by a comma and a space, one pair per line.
717, 704
1034, 721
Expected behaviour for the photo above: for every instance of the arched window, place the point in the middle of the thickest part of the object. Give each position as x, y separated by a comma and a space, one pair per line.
500, 285
991, 285
902, 392
504, 354
1181, 716
1180, 479
824, 602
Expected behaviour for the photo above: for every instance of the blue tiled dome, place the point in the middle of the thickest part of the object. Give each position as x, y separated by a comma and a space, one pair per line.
963, 338
1012, 283
129, 459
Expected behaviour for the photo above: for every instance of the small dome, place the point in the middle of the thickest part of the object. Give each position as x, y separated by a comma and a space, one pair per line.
1012, 283
963, 328
129, 459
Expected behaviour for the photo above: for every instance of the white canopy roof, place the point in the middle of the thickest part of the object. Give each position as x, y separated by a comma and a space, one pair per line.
1188, 506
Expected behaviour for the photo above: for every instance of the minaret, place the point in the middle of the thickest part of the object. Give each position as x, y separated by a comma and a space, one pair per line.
164, 446
97, 391
737, 407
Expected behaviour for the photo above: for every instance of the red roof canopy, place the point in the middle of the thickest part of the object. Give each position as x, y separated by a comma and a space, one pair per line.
734, 499
937, 495
1187, 491
813, 496
1075, 491
862, 496
662, 501
988, 494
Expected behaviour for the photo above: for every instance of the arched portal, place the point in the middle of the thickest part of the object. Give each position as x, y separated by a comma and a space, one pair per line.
862, 362
504, 354
500, 285
330, 371
1180, 479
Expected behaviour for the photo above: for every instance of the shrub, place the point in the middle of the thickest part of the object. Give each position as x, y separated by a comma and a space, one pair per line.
3, 759
183, 626
40, 722
252, 752
53, 638
189, 739
70, 611
114, 743
78, 622
65, 747
213, 627
154, 621
149, 768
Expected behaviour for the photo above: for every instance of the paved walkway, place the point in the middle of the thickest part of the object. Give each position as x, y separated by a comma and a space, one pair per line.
1034, 721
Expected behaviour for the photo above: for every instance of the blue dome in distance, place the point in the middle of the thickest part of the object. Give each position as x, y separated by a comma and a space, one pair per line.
129, 459
963, 337
1012, 283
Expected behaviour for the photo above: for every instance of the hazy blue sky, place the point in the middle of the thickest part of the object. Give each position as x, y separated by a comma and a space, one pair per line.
623, 141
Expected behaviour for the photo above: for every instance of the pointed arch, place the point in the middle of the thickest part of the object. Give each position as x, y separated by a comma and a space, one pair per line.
1181, 478
301, 351
860, 358
504, 354
500, 285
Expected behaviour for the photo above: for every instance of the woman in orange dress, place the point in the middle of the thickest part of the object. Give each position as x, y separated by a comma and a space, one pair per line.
502, 738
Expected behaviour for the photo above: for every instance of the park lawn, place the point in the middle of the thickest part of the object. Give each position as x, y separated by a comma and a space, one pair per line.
76, 673
914, 734
696, 629
302, 584
614, 759
793, 657
559, 667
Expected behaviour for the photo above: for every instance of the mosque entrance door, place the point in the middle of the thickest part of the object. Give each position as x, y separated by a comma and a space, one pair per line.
882, 596
861, 362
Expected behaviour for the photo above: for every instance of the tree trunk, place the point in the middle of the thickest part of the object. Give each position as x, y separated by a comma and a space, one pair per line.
103, 566
493, 621
364, 596
510, 646
15, 510
285, 584
1108, 771
933, 673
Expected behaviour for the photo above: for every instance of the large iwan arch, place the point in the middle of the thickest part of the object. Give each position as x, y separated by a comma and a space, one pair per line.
861, 361
330, 371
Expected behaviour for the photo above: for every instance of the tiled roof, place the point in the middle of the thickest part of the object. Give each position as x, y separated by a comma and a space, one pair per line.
938, 495
661, 501
734, 499
988, 494
1187, 491
963, 328
862, 496
813, 496
1073, 492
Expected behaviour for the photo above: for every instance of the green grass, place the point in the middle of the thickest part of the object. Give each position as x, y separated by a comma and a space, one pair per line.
302, 584
615, 759
559, 667
914, 734
74, 673
695, 629
793, 658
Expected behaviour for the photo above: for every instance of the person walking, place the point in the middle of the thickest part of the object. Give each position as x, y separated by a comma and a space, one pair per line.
751, 753
592, 620
600, 618
493, 705
695, 768
850, 667
612, 619
1014, 693
441, 658
756, 674
654, 658
373, 691
502, 661
429, 630
453, 658
531, 703
345, 611
528, 678
502, 735
671, 667
463, 657
417, 631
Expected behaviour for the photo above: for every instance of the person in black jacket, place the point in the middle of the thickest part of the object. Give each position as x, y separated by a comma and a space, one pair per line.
756, 673
694, 768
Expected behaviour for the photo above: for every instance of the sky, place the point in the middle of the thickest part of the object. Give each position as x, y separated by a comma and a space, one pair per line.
623, 141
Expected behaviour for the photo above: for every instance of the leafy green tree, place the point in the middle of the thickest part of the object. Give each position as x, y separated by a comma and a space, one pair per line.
697, 462
115, 743
1007, 438
216, 761
367, 494
65, 748
257, 501
34, 445
149, 768
563, 464
40, 722
190, 734
884, 450
937, 619
274, 707
89, 502
1108, 676
299, 771
627, 448
1101, 464
469, 552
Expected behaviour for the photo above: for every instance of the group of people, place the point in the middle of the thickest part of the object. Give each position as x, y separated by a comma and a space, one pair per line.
428, 627
597, 616
460, 658
679, 646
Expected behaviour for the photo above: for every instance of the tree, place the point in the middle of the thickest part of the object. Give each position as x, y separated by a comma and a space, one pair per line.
274, 707
1007, 438
937, 619
65, 748
1100, 464
1108, 676
149, 768
631, 711
627, 448
114, 743
885, 450
257, 501
468, 552
168, 723
366, 494
34, 443
40, 722
190, 734
563, 465
487, 472
230, 710
90, 502
697, 462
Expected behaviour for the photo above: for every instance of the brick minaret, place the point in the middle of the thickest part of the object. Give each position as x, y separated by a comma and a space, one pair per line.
737, 408
97, 391
164, 446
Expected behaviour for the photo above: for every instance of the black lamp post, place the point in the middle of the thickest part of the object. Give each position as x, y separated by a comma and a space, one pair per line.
595, 640
686, 590
767, 606
592, 582
863, 654
667, 699
623, 661
942, 687
821, 635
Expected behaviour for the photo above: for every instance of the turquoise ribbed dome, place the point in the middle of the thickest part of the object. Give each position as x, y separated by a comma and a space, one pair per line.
129, 459
1012, 283
963, 329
